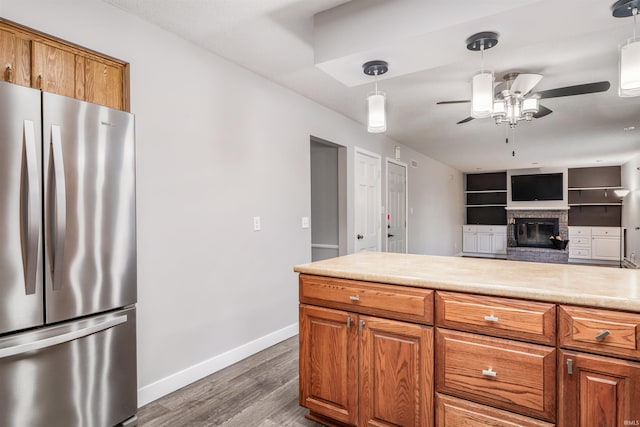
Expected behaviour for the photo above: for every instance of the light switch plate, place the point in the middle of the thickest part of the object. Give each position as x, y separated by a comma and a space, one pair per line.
305, 222
257, 226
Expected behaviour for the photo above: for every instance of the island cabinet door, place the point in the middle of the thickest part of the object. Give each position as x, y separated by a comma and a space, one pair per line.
396, 373
597, 391
329, 363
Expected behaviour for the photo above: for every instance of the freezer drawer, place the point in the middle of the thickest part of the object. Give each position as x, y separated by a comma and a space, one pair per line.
80, 373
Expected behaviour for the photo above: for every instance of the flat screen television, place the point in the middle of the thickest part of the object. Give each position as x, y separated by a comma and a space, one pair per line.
544, 186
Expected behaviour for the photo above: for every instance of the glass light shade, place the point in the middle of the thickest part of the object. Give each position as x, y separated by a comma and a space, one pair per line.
377, 119
530, 106
630, 68
482, 95
499, 109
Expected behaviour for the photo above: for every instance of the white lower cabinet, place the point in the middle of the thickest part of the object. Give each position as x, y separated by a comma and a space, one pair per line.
595, 243
484, 240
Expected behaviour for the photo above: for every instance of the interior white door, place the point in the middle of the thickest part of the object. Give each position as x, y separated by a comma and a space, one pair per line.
396, 207
367, 201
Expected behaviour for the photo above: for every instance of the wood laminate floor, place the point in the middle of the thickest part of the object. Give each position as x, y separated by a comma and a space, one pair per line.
260, 391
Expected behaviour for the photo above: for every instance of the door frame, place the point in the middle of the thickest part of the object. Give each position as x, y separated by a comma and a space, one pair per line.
406, 200
356, 151
342, 196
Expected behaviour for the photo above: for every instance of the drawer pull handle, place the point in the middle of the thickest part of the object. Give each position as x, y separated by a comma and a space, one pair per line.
354, 297
491, 318
348, 321
489, 372
602, 335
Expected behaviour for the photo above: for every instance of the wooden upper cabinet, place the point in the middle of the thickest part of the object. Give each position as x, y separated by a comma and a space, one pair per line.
53, 69
31, 58
103, 83
15, 58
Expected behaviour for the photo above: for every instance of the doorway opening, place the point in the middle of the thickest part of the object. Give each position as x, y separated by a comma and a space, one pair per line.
328, 199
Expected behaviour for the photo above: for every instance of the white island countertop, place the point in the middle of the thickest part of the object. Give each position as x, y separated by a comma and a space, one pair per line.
606, 287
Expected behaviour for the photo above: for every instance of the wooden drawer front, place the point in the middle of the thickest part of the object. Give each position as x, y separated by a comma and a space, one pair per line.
586, 329
452, 412
506, 374
394, 302
501, 317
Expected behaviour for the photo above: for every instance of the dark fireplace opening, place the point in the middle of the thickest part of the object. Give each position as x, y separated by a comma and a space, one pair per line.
535, 232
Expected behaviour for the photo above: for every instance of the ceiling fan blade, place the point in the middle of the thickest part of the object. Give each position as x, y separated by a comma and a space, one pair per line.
462, 101
542, 111
575, 90
525, 82
468, 119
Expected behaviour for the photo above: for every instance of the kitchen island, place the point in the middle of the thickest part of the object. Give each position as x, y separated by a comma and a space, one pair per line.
416, 340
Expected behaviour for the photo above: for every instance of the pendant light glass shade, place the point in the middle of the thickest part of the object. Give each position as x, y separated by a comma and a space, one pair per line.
377, 120
482, 95
630, 68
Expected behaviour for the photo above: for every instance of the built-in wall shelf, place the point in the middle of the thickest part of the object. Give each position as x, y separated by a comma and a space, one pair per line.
484, 191
592, 197
486, 198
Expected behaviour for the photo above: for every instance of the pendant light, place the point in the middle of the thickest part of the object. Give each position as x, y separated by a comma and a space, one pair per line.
482, 83
376, 114
629, 62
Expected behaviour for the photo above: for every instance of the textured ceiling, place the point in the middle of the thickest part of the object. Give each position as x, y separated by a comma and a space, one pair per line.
317, 48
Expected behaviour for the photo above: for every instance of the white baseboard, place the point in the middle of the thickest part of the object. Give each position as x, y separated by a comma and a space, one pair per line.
173, 382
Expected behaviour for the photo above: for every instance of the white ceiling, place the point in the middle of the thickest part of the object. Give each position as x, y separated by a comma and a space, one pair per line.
317, 48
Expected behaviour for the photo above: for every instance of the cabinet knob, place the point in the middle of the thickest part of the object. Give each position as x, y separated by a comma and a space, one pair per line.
602, 335
489, 372
9, 73
360, 237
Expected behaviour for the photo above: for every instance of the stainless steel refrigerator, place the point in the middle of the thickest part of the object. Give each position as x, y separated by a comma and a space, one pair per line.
67, 262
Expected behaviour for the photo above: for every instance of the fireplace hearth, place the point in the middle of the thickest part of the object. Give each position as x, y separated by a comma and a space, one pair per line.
535, 232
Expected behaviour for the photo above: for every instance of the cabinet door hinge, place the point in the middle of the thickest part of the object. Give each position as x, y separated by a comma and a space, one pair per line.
361, 325
569, 366
348, 321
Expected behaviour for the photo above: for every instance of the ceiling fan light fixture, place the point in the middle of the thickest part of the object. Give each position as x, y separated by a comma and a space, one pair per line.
482, 95
376, 102
499, 111
529, 107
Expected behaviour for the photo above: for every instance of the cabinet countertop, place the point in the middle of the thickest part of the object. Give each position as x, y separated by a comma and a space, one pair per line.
605, 287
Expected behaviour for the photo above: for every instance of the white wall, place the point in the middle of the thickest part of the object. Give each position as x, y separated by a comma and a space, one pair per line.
217, 145
630, 172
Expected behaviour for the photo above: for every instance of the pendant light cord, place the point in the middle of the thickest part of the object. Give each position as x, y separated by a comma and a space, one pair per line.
634, 12
482, 57
375, 77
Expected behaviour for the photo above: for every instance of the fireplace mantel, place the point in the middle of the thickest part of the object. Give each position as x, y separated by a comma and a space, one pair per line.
537, 208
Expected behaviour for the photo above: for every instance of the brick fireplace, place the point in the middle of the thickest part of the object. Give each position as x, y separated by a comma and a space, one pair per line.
528, 230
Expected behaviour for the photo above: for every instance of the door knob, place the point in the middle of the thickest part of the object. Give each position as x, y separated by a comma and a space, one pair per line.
389, 235
360, 236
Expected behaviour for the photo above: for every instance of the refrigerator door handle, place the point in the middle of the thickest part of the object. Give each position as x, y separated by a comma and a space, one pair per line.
62, 338
60, 208
30, 255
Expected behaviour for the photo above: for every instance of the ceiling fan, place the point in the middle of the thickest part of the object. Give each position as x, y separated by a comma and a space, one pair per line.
514, 99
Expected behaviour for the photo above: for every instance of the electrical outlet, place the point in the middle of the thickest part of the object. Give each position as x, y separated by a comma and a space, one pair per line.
257, 226
305, 222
